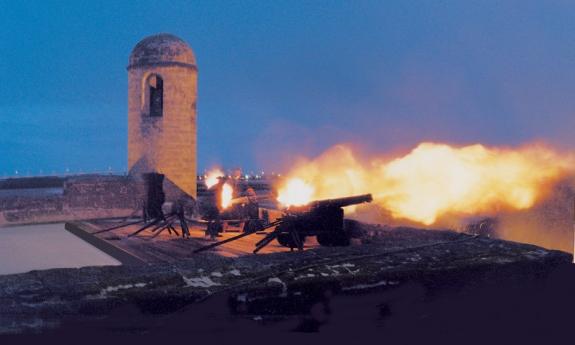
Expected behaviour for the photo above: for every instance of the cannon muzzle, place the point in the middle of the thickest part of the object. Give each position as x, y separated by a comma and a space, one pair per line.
342, 202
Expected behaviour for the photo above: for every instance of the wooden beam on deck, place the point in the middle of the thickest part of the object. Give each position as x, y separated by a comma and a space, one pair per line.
82, 231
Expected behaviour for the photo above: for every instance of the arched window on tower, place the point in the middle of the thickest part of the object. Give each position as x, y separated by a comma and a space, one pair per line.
155, 86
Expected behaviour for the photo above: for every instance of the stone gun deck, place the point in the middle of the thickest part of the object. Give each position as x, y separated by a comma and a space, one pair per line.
404, 273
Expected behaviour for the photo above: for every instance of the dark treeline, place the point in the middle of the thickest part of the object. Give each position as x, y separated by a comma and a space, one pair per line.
32, 182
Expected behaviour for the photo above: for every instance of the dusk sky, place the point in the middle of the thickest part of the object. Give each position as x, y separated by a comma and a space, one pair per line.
281, 78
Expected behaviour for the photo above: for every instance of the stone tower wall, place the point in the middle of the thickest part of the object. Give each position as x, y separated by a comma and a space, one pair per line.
165, 144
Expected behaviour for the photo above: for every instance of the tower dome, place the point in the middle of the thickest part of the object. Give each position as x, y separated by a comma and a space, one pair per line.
162, 50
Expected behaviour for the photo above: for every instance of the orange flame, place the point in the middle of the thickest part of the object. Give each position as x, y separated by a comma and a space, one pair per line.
433, 180
212, 177
227, 193
296, 192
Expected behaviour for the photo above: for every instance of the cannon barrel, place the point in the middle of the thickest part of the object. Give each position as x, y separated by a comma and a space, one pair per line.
320, 218
342, 202
246, 199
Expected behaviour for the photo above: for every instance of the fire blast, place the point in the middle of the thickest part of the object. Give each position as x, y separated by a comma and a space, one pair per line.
212, 177
433, 180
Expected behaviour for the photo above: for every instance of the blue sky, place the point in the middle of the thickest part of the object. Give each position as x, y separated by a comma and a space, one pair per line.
282, 78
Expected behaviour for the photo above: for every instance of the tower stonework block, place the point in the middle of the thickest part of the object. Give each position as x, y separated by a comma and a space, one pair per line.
162, 93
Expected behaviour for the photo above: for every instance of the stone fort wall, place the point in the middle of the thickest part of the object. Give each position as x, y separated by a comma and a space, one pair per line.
33, 200
81, 197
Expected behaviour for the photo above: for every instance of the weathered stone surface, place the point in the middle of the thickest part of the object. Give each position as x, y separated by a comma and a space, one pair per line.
161, 48
272, 285
86, 197
163, 144
82, 197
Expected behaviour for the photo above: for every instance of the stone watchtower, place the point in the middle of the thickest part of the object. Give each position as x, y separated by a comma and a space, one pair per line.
162, 92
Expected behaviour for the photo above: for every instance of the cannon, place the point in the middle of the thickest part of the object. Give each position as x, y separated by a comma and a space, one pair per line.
321, 218
157, 215
242, 210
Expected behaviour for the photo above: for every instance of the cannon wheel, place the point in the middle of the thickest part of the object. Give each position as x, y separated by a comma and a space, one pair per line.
334, 239
285, 238
253, 225
287, 241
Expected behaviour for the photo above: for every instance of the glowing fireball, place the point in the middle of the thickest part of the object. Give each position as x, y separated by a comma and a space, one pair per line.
212, 177
227, 195
295, 192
